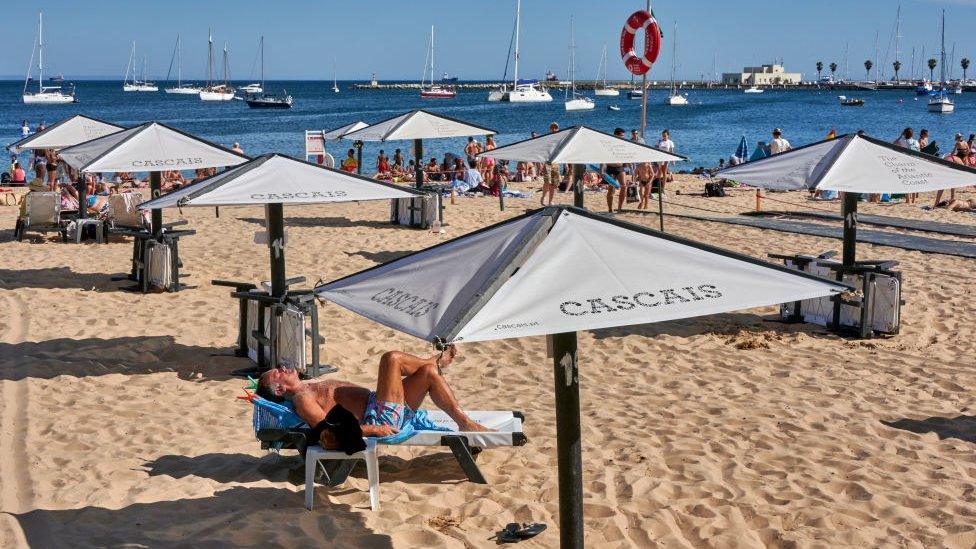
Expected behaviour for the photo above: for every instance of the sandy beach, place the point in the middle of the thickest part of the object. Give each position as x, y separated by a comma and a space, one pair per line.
120, 425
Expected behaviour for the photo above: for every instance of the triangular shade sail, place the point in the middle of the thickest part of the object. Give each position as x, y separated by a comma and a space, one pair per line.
501, 282
337, 133
150, 147
853, 163
418, 124
66, 133
580, 145
278, 179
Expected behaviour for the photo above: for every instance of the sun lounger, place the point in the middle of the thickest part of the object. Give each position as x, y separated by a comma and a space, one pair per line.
278, 427
42, 212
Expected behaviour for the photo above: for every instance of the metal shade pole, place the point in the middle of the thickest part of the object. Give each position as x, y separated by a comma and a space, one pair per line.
359, 157
418, 159
578, 171
82, 196
155, 183
660, 202
568, 445
850, 228
274, 214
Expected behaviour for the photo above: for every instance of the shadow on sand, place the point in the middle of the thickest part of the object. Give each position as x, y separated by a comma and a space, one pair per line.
960, 427
435, 468
121, 355
381, 257
230, 518
60, 278
725, 324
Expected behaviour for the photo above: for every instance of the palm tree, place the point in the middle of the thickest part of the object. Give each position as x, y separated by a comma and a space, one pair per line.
965, 66
819, 69
833, 69
932, 64
867, 67
897, 66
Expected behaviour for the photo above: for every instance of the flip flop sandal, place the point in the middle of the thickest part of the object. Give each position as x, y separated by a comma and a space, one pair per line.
527, 531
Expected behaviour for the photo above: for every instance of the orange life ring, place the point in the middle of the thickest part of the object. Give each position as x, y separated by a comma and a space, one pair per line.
652, 42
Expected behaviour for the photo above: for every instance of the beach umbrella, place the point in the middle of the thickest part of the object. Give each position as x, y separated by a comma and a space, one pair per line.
66, 133
497, 283
151, 147
417, 125
274, 180
852, 164
336, 134
583, 145
741, 152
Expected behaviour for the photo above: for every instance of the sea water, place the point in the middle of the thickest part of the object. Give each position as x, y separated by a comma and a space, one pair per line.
707, 129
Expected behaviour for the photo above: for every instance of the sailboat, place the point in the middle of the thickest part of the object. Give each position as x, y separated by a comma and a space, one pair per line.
216, 92
521, 91
335, 83
433, 91
263, 100
137, 85
604, 90
45, 94
940, 102
675, 98
575, 101
255, 88
181, 88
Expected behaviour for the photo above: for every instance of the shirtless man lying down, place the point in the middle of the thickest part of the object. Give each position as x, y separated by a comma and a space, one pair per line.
403, 383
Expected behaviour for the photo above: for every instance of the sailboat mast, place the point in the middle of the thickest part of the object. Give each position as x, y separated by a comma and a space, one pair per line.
572, 57
898, 33
674, 54
226, 81
40, 52
262, 62
432, 55
942, 64
209, 57
518, 6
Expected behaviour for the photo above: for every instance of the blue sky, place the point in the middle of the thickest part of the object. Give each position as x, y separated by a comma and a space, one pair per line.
92, 38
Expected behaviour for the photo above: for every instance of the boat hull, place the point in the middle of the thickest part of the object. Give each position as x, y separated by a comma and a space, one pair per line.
527, 95
941, 107
676, 100
139, 88
48, 98
440, 94
260, 104
606, 92
183, 91
216, 95
580, 104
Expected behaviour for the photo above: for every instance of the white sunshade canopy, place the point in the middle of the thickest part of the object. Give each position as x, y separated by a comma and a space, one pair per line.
580, 145
149, 147
338, 133
418, 124
278, 179
66, 133
498, 283
852, 163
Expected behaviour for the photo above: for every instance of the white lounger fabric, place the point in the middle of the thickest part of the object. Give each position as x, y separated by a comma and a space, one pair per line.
505, 424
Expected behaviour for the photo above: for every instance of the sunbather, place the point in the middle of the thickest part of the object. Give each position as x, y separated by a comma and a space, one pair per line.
403, 383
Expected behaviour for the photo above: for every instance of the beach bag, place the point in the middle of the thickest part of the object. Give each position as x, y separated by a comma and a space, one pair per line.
632, 194
420, 211
714, 190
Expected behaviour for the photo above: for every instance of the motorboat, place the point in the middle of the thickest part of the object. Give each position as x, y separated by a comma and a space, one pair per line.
924, 88
754, 89
47, 95
251, 89
613, 108
635, 94
850, 101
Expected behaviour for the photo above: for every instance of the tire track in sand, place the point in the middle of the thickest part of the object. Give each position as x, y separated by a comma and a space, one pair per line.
16, 493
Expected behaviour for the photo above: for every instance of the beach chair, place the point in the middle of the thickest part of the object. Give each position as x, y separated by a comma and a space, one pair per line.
278, 427
123, 212
42, 212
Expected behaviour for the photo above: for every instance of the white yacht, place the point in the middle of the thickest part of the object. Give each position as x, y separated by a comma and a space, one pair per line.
214, 91
180, 88
136, 85
521, 91
604, 90
575, 101
675, 98
433, 91
50, 95
754, 89
940, 102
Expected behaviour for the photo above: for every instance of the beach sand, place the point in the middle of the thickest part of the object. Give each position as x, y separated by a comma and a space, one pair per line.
120, 426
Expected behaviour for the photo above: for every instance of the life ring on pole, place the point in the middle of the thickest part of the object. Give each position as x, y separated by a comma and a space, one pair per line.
640, 64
